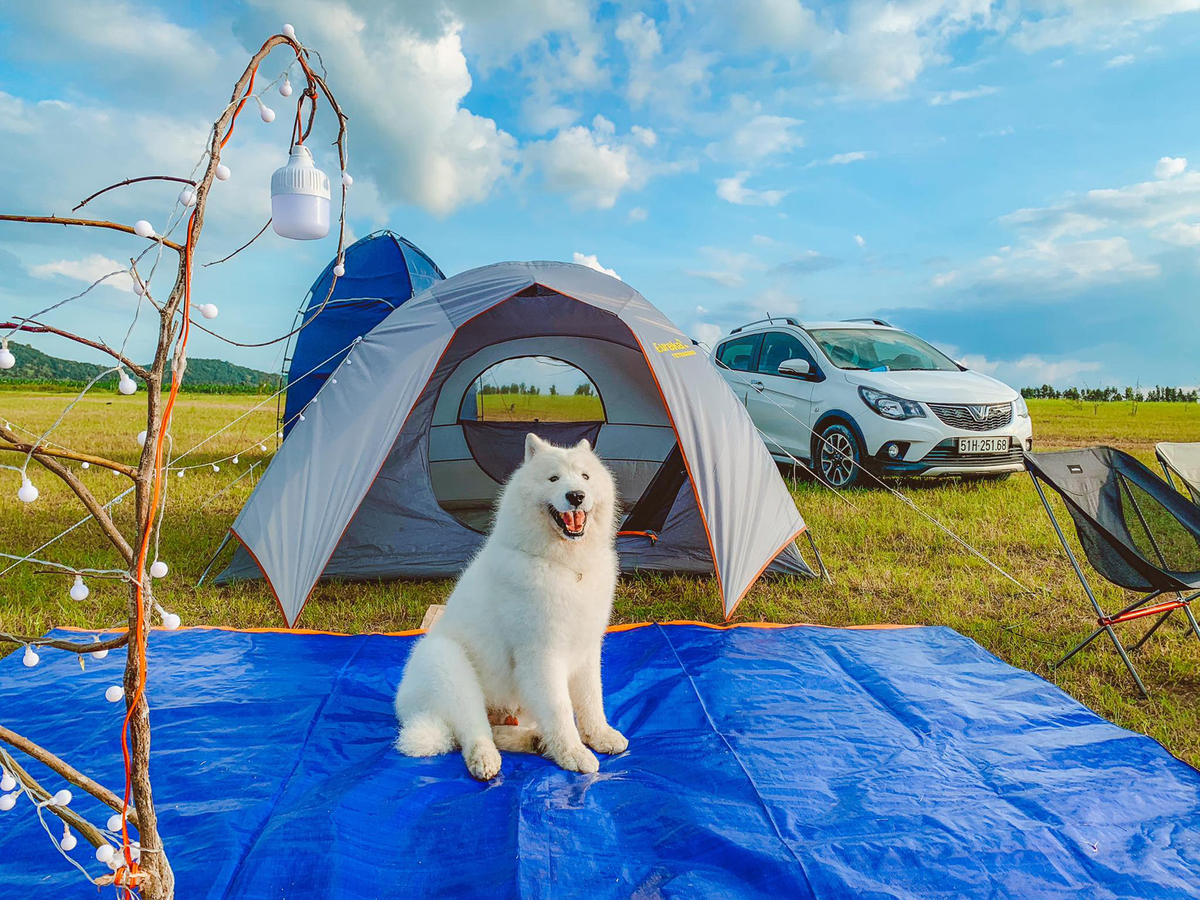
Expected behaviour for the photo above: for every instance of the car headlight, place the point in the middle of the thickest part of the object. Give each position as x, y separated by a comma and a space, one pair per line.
1020, 407
890, 406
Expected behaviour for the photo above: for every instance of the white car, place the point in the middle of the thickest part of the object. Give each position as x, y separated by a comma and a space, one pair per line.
839, 396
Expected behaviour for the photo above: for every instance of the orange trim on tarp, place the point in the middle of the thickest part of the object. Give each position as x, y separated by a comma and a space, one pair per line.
627, 626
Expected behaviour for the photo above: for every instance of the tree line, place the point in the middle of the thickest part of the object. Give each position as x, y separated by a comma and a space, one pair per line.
583, 390
1157, 394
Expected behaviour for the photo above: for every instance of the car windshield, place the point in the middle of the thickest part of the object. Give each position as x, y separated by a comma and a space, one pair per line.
875, 348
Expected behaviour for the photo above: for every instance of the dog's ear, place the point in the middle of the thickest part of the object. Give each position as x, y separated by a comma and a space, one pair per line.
534, 444
583, 445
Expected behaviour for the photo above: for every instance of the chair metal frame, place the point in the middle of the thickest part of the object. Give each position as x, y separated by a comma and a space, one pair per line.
1187, 489
1136, 610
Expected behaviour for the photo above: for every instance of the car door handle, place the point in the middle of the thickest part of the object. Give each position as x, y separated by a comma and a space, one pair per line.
757, 385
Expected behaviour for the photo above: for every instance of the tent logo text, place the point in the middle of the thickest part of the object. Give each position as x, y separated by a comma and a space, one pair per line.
677, 349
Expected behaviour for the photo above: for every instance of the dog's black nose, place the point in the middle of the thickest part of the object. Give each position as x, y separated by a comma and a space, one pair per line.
575, 498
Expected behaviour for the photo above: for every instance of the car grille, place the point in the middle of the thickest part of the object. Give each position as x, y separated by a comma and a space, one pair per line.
974, 416
946, 454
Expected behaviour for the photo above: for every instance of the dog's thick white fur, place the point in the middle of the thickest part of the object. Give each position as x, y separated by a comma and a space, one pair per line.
522, 630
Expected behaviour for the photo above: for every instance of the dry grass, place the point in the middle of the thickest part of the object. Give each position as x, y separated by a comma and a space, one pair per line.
888, 564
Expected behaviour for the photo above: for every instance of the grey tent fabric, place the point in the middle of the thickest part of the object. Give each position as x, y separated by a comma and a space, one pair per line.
1181, 461
351, 492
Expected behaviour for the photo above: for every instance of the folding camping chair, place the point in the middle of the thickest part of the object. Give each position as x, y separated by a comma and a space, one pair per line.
1183, 462
1136, 530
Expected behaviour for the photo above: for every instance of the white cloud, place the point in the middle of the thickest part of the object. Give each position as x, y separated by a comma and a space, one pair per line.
944, 278
760, 137
860, 240
1170, 166
707, 333
592, 166
842, 159
87, 270
734, 190
730, 267
1118, 61
1181, 234
645, 136
763, 241
638, 214
1031, 369
592, 262
943, 98
1060, 23
671, 86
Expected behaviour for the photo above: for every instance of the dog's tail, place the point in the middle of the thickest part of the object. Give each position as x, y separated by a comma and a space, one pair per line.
425, 735
516, 738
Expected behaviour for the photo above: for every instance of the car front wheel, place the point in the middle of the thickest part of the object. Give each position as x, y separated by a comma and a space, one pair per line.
839, 456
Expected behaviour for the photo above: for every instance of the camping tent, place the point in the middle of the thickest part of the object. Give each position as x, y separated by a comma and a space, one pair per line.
367, 484
383, 270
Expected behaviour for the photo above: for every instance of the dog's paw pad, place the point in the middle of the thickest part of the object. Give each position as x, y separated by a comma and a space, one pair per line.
579, 759
608, 741
483, 762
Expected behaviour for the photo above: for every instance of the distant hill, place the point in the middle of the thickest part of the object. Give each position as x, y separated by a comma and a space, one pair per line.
34, 366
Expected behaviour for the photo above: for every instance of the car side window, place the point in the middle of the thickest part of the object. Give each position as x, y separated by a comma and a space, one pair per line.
778, 347
741, 353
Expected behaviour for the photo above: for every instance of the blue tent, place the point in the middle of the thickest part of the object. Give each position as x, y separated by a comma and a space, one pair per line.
383, 270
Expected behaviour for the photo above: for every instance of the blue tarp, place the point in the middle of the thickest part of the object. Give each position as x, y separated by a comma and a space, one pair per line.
763, 763
383, 270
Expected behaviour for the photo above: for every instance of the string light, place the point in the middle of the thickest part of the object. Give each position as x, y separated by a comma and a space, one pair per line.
68, 841
208, 310
346, 179
99, 654
85, 465
125, 384
8, 801
114, 822
141, 439
285, 89
7, 360
289, 31
143, 229
223, 172
105, 853
27, 493
112, 695
188, 197
216, 468
339, 270
31, 657
79, 590
171, 621
158, 569
235, 460
7, 782
266, 113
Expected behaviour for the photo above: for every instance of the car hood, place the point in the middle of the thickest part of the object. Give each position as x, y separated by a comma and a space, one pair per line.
937, 387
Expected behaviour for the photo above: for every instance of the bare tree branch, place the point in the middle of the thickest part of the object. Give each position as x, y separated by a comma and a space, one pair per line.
99, 513
89, 831
32, 327
70, 646
22, 447
86, 200
94, 223
217, 262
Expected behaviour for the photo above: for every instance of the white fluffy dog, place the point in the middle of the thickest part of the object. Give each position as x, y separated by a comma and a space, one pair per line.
522, 630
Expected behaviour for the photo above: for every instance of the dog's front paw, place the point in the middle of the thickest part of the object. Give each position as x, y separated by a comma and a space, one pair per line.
577, 759
606, 740
483, 760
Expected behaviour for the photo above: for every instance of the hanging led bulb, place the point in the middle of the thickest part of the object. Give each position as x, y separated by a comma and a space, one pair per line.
114, 693
113, 823
188, 196
31, 657
141, 439
234, 460
300, 198
125, 384
346, 179
142, 228
208, 310
61, 798
68, 842
158, 569
339, 270
285, 89
8, 801
171, 621
266, 113
180, 473
27, 493
79, 590
7, 360
289, 31
216, 468
262, 447
99, 654
104, 853
7, 782
223, 172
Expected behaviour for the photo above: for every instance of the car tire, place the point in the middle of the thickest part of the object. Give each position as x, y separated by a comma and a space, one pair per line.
838, 456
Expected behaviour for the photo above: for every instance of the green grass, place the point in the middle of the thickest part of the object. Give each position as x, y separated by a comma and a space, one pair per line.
889, 565
540, 408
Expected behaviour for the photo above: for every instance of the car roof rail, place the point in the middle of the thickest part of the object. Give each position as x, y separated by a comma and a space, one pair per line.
873, 320
795, 323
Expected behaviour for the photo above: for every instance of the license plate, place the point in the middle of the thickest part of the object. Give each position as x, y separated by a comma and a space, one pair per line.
983, 445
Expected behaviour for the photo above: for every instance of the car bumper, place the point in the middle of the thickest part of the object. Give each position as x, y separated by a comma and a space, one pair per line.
933, 451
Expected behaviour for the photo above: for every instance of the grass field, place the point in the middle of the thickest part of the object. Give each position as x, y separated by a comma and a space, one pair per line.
540, 407
888, 564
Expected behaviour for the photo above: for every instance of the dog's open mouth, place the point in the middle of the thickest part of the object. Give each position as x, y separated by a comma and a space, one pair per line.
571, 523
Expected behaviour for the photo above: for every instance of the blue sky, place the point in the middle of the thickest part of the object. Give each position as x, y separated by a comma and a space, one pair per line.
1018, 182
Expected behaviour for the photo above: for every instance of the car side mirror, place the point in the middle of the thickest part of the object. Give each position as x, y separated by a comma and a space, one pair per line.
798, 367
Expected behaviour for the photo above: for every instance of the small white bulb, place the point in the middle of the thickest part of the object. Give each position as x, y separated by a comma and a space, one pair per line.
99, 654
113, 823
188, 196
142, 228
285, 89
158, 569
180, 473
7, 782
8, 801
79, 590
27, 492
7, 360
301, 417
114, 693
208, 310
62, 798
333, 381
289, 31
349, 361
68, 842
141, 439
223, 172
216, 468
171, 621
104, 853
235, 460
126, 385
85, 465
31, 657
339, 270
268, 114
262, 447
347, 179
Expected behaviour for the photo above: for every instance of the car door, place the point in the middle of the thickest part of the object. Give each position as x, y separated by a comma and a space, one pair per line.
737, 359
781, 405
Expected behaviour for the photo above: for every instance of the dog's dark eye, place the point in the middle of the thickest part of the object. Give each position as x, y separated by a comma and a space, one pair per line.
585, 476
554, 478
